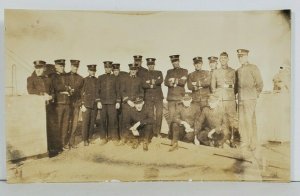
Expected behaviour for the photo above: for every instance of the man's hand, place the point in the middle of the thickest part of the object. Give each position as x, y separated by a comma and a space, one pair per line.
117, 106
130, 103
135, 132
196, 141
171, 81
148, 81
99, 105
211, 133
83, 108
153, 81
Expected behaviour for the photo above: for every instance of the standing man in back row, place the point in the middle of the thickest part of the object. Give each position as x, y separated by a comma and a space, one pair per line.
153, 94
222, 85
175, 81
141, 71
249, 86
76, 84
199, 83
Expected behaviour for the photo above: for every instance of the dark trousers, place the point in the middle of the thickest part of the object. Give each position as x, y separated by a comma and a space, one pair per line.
88, 123
109, 123
178, 133
216, 140
145, 132
53, 135
157, 107
126, 110
172, 105
63, 116
74, 115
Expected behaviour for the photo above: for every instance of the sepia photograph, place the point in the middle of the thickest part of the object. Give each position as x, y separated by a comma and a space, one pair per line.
109, 96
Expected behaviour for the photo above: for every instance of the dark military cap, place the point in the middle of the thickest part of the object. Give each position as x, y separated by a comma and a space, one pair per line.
116, 66
197, 59
39, 64
92, 67
138, 100
132, 66
60, 62
242, 52
212, 59
75, 62
137, 57
150, 61
108, 64
187, 96
224, 54
174, 58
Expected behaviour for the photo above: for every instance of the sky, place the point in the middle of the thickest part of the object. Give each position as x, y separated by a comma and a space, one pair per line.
96, 36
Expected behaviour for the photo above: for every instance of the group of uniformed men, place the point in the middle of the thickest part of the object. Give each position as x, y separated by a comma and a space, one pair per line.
131, 104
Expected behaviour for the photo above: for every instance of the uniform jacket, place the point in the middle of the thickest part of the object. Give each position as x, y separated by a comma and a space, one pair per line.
212, 119
187, 114
223, 82
61, 85
145, 117
108, 89
131, 88
196, 79
76, 83
153, 91
141, 72
176, 93
249, 82
121, 78
38, 85
89, 92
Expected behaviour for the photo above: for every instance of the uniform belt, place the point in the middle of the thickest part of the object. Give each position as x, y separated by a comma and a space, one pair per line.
225, 86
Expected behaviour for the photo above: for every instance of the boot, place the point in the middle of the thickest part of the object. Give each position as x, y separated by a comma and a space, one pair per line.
145, 146
174, 146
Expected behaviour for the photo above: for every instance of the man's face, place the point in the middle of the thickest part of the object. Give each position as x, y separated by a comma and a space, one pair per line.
224, 60
60, 68
108, 70
151, 66
213, 65
74, 69
139, 106
92, 73
138, 63
176, 64
243, 59
39, 71
116, 72
187, 103
198, 66
133, 72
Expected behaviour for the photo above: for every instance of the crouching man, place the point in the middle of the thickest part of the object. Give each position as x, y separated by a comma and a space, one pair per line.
182, 125
141, 123
211, 127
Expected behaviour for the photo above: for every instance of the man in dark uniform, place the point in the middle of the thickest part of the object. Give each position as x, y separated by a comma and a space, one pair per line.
131, 88
153, 94
89, 106
76, 84
121, 75
249, 87
222, 84
199, 83
108, 101
40, 84
141, 123
175, 81
138, 62
183, 123
211, 127
62, 92
50, 70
